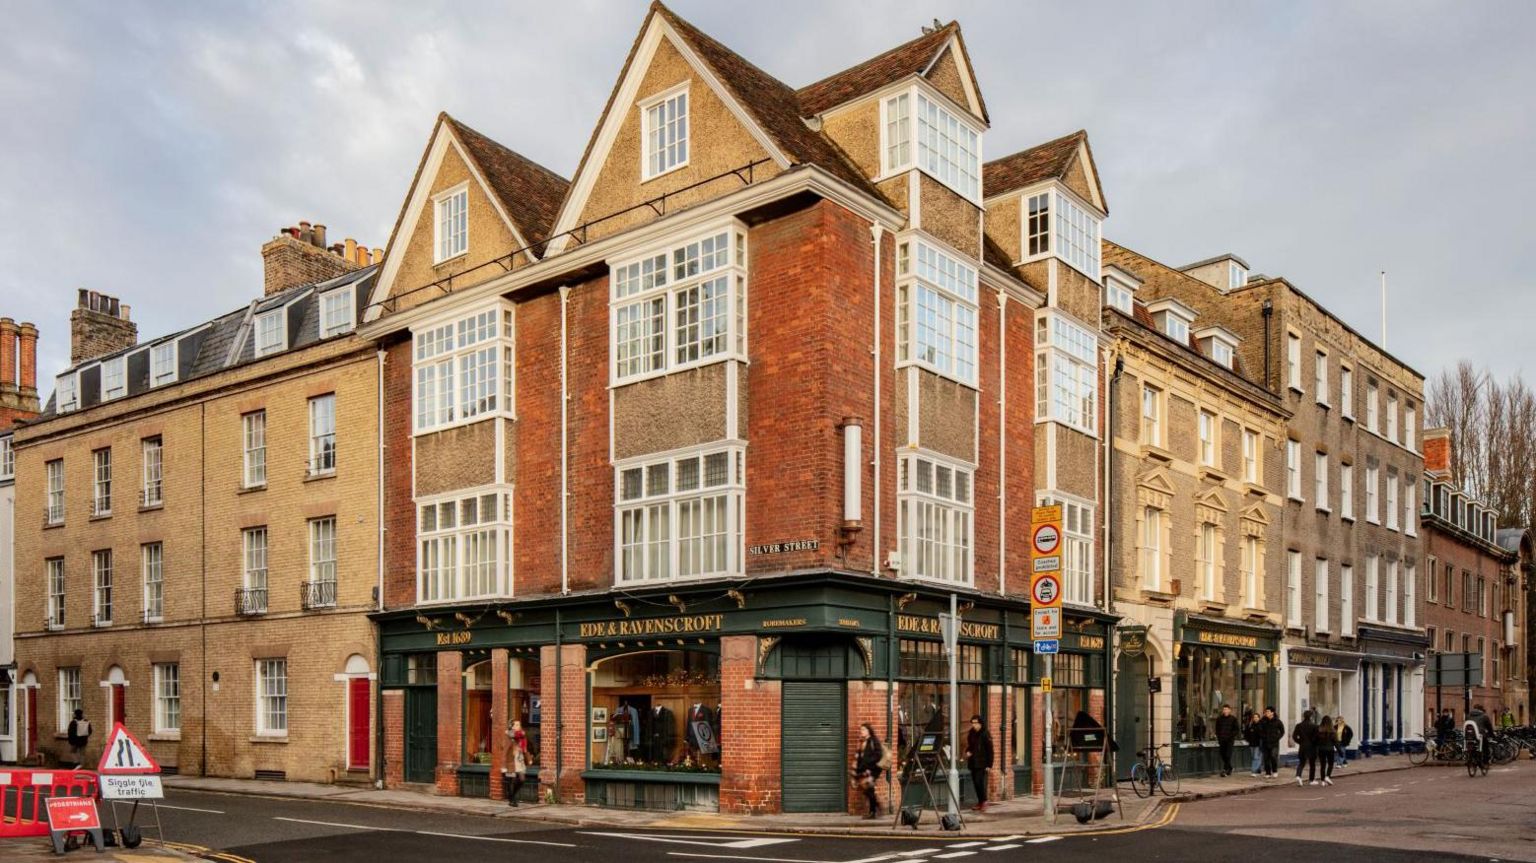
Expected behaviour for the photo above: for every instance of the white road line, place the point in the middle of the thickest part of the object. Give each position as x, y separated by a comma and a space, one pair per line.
1042, 840
711, 841
955, 854
873, 859
1002, 847
965, 845
494, 839
918, 853
738, 857
336, 824
191, 809
1012, 838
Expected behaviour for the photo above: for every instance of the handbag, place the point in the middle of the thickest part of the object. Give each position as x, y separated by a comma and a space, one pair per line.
885, 758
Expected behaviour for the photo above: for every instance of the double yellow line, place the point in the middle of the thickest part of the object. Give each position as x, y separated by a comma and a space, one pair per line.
204, 852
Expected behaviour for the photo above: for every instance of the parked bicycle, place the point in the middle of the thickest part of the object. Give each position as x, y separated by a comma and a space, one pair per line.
1434, 750
1152, 773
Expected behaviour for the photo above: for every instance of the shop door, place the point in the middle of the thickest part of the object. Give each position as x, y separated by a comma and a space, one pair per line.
1132, 705
420, 734
358, 714
814, 749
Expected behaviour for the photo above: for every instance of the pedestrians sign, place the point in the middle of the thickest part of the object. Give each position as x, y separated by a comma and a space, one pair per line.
1046, 646
124, 754
68, 815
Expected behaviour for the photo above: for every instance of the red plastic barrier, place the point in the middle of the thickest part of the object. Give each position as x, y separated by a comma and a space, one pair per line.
24, 795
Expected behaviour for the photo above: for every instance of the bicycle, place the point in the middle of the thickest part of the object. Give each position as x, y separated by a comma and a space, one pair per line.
1477, 757
1152, 772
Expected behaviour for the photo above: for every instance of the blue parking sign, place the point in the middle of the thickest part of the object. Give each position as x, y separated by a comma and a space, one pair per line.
1049, 646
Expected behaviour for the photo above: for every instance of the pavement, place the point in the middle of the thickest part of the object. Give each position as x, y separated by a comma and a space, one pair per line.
38, 849
1019, 817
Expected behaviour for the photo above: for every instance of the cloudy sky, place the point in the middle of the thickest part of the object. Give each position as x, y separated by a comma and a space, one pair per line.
149, 149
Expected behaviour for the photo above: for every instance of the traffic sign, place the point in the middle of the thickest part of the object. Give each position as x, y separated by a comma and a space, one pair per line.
68, 815
131, 787
125, 755
1045, 623
1047, 646
1046, 590
1047, 538
1045, 685
1047, 564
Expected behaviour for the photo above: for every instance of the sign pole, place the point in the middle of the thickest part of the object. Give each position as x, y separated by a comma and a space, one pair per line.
1050, 780
953, 637
1045, 595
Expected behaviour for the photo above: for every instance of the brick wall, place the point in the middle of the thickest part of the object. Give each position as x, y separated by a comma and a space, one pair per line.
751, 772
869, 701
394, 738
399, 510
288, 262
450, 714
567, 667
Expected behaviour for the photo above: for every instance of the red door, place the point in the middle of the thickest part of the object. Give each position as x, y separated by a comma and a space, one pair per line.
357, 723
119, 704
31, 743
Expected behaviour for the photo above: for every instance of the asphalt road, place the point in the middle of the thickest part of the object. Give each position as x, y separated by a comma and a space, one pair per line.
1413, 815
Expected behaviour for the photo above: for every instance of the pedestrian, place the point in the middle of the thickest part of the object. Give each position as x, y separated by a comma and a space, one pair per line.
1253, 734
1324, 750
1272, 731
1443, 728
1343, 735
1506, 720
514, 771
1226, 736
978, 757
868, 765
79, 734
1304, 735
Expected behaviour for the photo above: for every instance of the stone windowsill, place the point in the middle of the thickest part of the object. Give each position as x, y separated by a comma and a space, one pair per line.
166, 737
1152, 450
152, 507
269, 738
249, 489
316, 477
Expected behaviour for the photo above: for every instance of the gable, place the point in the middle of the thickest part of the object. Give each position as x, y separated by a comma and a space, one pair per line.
1156, 480
947, 76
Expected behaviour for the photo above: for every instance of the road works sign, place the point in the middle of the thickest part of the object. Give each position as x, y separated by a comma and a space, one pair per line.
124, 755
1045, 576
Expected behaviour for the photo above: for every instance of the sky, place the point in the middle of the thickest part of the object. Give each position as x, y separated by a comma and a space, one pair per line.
149, 149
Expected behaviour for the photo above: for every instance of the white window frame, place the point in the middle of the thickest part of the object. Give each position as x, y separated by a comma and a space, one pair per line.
1066, 372
1150, 547
69, 696
659, 158
322, 435
1293, 468
1320, 579
271, 691
463, 553
152, 470
1293, 360
338, 312
1222, 353
1320, 481
1151, 415
1372, 493
253, 446
1293, 590
101, 481
1346, 600
101, 587
1391, 502
1237, 275
947, 554
1252, 564
1347, 392
1076, 228
940, 141
255, 560
1207, 553
664, 493
1410, 428
66, 388
1076, 545
1210, 444
1410, 593
1372, 588
158, 360
1372, 408
167, 710
152, 573
464, 367
271, 338
1410, 506
1347, 492
53, 502
322, 549
54, 570
450, 204
7, 458
937, 290
1118, 296
1320, 376
1390, 614
1391, 432
114, 378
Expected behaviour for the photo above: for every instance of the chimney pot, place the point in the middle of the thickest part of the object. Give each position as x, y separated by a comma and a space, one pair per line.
378, 255
351, 250
363, 258
125, 311
319, 234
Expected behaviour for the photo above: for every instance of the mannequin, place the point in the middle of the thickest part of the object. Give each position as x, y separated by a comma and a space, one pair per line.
662, 736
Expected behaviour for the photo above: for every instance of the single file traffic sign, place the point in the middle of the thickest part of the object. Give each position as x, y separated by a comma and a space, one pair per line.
124, 754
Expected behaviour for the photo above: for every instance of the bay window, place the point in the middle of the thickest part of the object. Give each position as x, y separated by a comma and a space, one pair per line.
464, 546
936, 310
679, 307
464, 368
1077, 549
680, 516
948, 147
935, 518
1074, 230
1066, 372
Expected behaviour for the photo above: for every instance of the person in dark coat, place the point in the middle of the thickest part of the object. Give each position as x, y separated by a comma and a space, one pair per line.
1253, 735
1324, 743
1273, 731
1304, 735
1226, 736
867, 769
1343, 735
79, 735
978, 758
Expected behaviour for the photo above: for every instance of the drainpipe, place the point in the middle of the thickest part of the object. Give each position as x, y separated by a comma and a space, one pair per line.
378, 653
380, 478
1109, 479
877, 233
559, 717
1268, 311
565, 472
1002, 443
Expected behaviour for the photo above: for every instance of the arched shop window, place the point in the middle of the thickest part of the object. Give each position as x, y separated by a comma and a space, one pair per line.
923, 689
1210, 677
477, 714
656, 710
524, 703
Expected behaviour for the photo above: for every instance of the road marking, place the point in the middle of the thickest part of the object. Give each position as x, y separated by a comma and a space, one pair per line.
1013, 838
191, 809
494, 839
1042, 840
873, 859
741, 844
336, 824
738, 857
965, 845
955, 854
1007, 847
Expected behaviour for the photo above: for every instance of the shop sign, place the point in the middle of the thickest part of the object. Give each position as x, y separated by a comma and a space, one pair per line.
785, 547
1133, 640
1228, 639
783, 622
653, 626
1322, 659
449, 639
1090, 642
930, 626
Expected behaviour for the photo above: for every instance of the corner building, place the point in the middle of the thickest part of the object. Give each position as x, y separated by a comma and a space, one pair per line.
686, 454
197, 532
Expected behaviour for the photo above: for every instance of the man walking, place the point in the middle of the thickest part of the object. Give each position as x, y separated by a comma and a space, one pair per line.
1226, 736
1272, 732
79, 734
1304, 735
978, 758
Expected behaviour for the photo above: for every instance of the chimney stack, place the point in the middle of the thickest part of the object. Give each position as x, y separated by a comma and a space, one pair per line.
299, 256
1437, 452
18, 372
99, 325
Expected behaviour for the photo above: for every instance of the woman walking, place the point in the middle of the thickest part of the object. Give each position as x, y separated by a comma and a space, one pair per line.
867, 767
1253, 734
515, 767
1343, 735
1324, 751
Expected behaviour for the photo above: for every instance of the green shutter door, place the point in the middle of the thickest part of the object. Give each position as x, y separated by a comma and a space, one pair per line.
420, 734
815, 742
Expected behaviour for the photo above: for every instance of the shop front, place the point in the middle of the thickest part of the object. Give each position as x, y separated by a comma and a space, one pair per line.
1391, 690
1219, 663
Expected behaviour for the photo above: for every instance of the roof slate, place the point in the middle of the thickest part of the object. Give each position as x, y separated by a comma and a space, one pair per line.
529, 192
910, 58
1048, 161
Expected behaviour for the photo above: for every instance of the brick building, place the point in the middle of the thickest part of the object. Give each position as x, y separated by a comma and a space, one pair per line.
1474, 590
18, 403
688, 453
1515, 608
1195, 507
197, 531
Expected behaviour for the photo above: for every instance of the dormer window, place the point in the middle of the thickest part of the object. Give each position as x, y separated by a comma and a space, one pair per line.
1218, 343
1055, 222
1173, 318
948, 148
451, 223
114, 379
67, 392
162, 364
666, 132
1237, 275
336, 313
271, 332
1119, 289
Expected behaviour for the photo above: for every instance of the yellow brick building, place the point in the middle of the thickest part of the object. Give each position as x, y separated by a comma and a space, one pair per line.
198, 532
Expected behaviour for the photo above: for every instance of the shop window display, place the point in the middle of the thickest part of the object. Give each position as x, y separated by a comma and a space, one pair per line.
1210, 677
921, 704
477, 713
523, 701
658, 710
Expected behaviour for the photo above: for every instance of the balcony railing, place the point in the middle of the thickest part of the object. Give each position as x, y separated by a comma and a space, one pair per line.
318, 594
250, 600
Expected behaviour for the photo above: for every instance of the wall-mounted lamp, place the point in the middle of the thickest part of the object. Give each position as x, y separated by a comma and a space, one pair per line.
853, 480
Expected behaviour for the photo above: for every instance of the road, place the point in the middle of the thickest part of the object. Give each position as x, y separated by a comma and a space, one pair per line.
1413, 815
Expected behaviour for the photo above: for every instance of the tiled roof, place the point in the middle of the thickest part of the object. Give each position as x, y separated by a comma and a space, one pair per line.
907, 59
1047, 161
529, 192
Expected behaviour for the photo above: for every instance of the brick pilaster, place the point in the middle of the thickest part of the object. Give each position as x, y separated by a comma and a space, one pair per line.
498, 720
565, 721
450, 714
751, 735
394, 738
